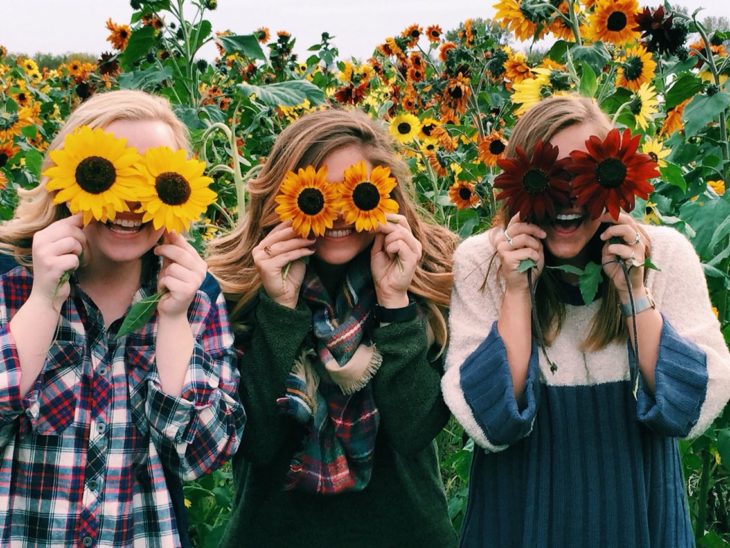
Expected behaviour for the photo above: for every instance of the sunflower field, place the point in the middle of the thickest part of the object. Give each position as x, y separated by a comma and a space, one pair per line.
450, 98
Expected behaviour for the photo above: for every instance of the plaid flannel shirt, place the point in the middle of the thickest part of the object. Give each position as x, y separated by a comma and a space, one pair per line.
83, 451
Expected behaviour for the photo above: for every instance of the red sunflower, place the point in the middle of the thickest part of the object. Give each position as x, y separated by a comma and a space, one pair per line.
611, 174
536, 187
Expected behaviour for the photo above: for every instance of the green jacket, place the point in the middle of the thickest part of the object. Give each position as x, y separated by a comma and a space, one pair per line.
403, 505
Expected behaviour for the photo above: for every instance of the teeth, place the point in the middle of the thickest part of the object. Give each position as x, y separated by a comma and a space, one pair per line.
569, 216
128, 223
338, 233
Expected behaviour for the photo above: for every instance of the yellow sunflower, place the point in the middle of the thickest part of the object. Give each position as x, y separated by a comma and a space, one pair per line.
434, 33
428, 125
11, 123
119, 35
656, 149
456, 94
405, 127
516, 68
718, 186
94, 173
28, 65
178, 192
635, 68
531, 91
491, 148
614, 21
463, 195
3, 180
510, 16
560, 27
429, 145
365, 199
673, 121
8, 149
308, 201
644, 105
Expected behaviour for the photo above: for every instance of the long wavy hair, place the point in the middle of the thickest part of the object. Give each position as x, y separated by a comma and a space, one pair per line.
542, 122
36, 209
309, 141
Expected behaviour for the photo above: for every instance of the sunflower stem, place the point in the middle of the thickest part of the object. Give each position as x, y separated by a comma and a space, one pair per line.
710, 60
536, 322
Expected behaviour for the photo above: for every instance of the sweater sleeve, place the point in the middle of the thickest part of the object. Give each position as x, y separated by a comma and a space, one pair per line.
477, 385
680, 384
407, 387
265, 362
681, 294
486, 383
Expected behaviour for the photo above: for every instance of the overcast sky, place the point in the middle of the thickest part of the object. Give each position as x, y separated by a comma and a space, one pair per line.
60, 26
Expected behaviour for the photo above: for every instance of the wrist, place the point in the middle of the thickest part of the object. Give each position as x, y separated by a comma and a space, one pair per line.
393, 301
385, 315
637, 293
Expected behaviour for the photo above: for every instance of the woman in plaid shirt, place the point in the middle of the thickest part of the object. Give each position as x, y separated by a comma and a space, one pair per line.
88, 421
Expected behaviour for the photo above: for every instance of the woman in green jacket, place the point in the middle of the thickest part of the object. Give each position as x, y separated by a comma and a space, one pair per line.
340, 306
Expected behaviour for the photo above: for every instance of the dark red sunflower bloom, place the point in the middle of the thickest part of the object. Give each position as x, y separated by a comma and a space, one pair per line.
536, 187
611, 174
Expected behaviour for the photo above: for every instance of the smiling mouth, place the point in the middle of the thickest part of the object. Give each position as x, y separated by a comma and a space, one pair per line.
125, 226
337, 232
568, 221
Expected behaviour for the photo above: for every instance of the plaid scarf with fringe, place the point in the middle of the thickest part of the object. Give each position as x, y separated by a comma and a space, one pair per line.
329, 389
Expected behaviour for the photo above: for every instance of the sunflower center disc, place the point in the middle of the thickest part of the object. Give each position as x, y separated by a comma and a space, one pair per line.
95, 174
172, 188
535, 181
611, 173
633, 67
496, 147
456, 92
3, 159
653, 156
366, 196
465, 193
616, 21
310, 201
404, 128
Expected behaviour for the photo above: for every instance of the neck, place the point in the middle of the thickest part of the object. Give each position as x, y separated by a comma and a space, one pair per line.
111, 285
331, 275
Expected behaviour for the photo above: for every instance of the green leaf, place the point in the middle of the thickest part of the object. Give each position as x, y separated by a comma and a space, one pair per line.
672, 174
684, 87
138, 315
588, 82
722, 232
525, 265
144, 79
702, 110
245, 44
557, 51
648, 265
570, 269
203, 30
704, 220
33, 162
287, 94
589, 281
139, 44
596, 56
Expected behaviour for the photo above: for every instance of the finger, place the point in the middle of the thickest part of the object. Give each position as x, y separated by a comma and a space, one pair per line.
626, 252
622, 218
520, 241
513, 259
179, 255
378, 244
624, 231
397, 219
179, 272
407, 237
280, 261
514, 220
180, 289
286, 246
280, 233
76, 220
526, 228
64, 263
65, 245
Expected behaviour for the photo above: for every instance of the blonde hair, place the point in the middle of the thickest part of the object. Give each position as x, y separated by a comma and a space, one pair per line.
308, 141
541, 123
36, 209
